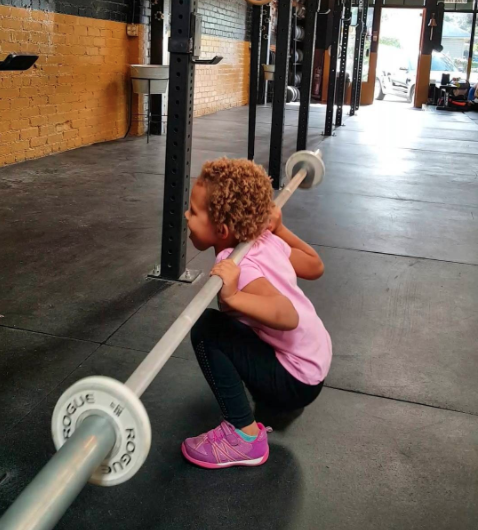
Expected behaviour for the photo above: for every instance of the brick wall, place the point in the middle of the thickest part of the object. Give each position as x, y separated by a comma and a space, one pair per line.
77, 92
225, 85
115, 10
226, 25
224, 18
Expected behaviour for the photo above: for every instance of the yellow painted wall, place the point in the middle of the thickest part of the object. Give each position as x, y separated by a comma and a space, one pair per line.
78, 92
75, 95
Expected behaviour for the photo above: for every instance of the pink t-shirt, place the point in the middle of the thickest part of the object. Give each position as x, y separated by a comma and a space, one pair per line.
305, 352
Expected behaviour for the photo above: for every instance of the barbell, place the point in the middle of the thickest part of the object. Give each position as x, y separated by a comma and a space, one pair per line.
100, 427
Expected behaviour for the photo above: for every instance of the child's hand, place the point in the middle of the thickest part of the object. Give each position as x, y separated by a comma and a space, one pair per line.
276, 220
229, 272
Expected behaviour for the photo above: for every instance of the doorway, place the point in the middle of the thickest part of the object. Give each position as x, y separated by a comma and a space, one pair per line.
398, 53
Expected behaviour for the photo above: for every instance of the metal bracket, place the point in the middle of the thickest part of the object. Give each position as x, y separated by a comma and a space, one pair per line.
192, 45
188, 276
215, 60
180, 45
18, 62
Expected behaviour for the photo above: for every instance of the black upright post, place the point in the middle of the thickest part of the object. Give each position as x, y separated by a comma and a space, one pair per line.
157, 39
358, 41
343, 63
312, 8
255, 51
329, 114
179, 140
293, 55
472, 42
358, 92
265, 50
280, 90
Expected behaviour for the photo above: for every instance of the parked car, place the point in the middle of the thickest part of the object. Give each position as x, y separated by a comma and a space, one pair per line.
397, 72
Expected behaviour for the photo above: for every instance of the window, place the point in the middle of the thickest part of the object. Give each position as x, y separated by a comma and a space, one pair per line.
442, 63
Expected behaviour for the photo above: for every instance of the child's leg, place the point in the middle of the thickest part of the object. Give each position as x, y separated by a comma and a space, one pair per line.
231, 354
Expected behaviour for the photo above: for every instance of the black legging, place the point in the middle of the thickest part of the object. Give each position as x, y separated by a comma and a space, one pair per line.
230, 353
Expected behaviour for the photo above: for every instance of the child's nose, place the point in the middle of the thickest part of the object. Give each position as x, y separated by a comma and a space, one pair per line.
186, 214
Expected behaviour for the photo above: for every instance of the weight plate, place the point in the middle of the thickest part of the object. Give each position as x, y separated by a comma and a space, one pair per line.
310, 161
106, 397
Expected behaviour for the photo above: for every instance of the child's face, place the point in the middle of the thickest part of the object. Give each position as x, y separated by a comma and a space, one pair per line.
203, 233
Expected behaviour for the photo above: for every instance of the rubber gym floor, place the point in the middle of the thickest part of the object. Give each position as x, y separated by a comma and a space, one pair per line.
391, 443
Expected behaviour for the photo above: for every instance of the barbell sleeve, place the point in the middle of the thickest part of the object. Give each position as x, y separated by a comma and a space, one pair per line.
44, 501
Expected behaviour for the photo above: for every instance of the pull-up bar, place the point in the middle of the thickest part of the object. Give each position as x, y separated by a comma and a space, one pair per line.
100, 427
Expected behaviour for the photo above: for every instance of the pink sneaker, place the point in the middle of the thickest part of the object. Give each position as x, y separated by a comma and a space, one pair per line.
223, 447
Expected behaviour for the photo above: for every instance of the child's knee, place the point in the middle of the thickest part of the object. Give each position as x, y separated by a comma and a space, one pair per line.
205, 327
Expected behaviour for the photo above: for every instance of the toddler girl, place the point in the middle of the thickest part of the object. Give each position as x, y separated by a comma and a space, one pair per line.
267, 334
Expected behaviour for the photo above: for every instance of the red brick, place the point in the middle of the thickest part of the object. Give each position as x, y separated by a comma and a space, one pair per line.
8, 159
10, 93
41, 101
40, 15
19, 125
5, 11
31, 132
20, 103
66, 29
32, 25
55, 138
69, 135
36, 142
21, 13
4, 126
10, 137
47, 130
28, 92
95, 32
47, 110
80, 30
5, 104
12, 23
36, 121
29, 112
15, 147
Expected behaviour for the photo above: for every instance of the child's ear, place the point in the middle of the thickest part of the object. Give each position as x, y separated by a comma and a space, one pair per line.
223, 232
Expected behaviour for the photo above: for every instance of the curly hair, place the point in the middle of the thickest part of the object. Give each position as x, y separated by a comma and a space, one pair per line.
239, 196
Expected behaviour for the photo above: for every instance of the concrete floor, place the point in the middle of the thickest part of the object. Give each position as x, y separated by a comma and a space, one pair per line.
391, 444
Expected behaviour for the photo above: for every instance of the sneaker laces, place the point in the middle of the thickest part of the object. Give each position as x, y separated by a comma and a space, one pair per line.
216, 435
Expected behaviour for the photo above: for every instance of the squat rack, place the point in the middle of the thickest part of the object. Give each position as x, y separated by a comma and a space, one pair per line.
361, 32
343, 62
185, 50
336, 25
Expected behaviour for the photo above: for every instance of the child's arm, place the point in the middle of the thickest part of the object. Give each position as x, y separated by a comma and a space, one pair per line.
305, 260
259, 300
